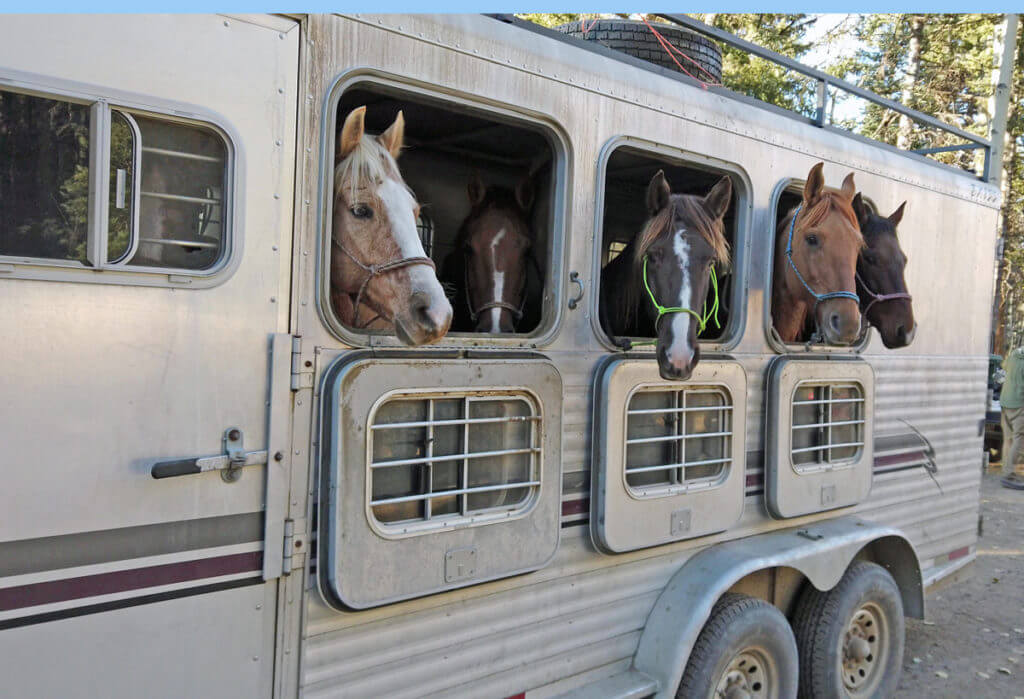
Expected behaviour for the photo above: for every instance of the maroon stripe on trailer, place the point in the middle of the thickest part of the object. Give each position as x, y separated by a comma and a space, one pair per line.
575, 507
904, 458
521, 695
124, 580
755, 479
959, 553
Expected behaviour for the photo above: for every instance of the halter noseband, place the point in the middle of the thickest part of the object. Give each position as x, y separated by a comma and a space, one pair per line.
702, 320
474, 313
879, 298
818, 298
376, 270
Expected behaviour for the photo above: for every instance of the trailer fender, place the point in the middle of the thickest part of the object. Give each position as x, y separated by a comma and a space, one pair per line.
820, 551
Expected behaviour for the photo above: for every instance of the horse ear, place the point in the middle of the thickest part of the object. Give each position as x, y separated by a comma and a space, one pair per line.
658, 193
815, 184
525, 193
896, 216
849, 188
717, 200
476, 189
861, 209
351, 132
392, 138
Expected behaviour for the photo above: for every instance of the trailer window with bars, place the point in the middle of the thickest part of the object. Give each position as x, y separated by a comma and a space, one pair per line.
89, 185
436, 461
678, 440
827, 425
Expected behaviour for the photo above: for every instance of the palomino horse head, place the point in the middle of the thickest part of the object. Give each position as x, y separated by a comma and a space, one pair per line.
881, 284
675, 253
377, 258
816, 263
496, 241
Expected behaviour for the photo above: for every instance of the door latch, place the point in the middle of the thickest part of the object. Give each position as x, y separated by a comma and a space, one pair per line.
230, 463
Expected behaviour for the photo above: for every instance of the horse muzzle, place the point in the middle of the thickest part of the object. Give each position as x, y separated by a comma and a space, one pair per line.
427, 321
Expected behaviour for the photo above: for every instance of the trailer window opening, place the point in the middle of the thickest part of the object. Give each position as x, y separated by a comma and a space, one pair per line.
827, 425
628, 171
452, 151
678, 439
440, 460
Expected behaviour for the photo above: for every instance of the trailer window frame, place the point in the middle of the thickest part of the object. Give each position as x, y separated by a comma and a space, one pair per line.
559, 233
104, 103
743, 197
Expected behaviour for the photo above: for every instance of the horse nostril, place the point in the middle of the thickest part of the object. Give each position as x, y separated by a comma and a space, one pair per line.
835, 321
421, 312
901, 332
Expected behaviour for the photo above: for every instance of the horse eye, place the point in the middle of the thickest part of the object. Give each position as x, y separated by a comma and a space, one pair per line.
362, 211
812, 240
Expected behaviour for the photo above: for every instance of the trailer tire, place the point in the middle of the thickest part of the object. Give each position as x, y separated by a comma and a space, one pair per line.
746, 646
851, 637
636, 39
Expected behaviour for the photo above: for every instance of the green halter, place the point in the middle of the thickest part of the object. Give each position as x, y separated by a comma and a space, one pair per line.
702, 320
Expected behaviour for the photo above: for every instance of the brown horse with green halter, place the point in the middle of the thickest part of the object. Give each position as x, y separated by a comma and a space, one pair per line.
658, 285
816, 250
381, 278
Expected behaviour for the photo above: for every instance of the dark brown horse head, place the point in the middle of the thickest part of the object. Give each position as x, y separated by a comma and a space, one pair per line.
818, 278
683, 238
496, 241
377, 258
882, 286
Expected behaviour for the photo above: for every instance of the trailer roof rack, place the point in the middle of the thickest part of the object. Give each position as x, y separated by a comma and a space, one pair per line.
824, 82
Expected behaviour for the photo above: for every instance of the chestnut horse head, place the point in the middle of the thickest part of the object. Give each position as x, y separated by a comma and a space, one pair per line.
380, 274
495, 244
666, 271
816, 252
881, 285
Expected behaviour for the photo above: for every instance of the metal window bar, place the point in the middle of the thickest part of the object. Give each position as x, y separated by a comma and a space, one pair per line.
823, 445
678, 466
463, 490
826, 81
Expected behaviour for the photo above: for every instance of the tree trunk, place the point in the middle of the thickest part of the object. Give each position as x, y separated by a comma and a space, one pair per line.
904, 138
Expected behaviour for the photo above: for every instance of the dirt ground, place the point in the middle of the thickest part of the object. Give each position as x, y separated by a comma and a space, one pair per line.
972, 644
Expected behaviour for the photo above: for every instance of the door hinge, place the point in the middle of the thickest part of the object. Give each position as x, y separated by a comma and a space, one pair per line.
294, 544
302, 370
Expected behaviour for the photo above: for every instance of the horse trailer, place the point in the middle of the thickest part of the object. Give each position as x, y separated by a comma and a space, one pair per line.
218, 487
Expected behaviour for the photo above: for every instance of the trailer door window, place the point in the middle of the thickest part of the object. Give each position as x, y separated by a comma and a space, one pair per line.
160, 204
828, 425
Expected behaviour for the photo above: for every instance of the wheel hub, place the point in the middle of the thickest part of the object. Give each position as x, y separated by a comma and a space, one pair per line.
747, 676
863, 649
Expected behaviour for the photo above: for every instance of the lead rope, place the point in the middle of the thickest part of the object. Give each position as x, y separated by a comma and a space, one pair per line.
375, 270
702, 321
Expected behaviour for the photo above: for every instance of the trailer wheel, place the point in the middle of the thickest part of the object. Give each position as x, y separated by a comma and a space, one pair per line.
746, 650
851, 637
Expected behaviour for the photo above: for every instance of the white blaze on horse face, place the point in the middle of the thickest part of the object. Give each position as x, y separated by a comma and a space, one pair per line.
680, 351
399, 205
499, 283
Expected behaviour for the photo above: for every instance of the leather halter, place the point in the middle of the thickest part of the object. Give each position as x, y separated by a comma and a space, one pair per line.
879, 298
376, 270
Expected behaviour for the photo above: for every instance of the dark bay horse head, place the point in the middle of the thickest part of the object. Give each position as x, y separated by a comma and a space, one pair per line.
881, 283
377, 258
495, 242
816, 252
659, 284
